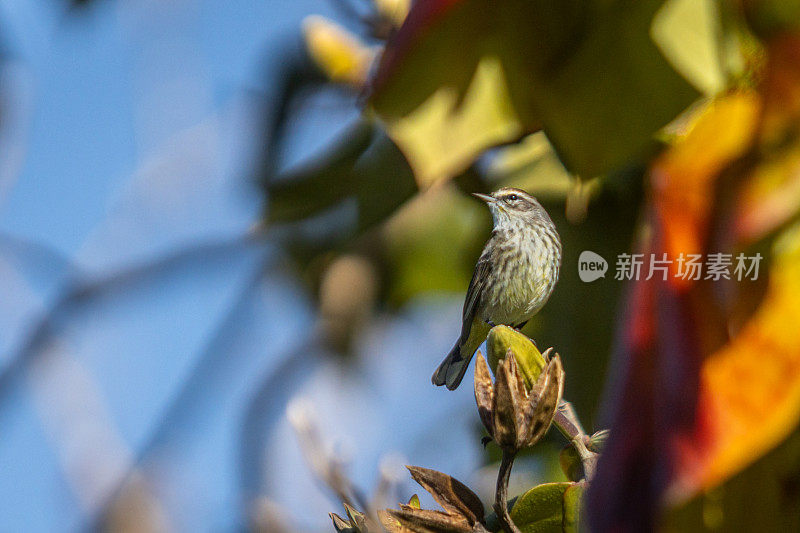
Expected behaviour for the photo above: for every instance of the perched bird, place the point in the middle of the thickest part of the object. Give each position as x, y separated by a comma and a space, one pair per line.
513, 279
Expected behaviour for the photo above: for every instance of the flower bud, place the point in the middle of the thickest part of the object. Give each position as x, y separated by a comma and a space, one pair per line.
530, 361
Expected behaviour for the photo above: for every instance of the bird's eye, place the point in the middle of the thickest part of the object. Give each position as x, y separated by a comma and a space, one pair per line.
512, 198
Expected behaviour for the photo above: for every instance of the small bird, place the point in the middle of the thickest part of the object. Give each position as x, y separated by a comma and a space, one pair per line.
513, 279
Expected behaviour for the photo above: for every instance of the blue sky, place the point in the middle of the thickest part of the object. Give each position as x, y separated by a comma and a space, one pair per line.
128, 149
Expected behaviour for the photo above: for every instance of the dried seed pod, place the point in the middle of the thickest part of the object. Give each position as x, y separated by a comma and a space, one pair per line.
515, 416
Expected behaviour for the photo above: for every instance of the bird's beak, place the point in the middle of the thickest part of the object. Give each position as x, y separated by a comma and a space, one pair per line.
485, 197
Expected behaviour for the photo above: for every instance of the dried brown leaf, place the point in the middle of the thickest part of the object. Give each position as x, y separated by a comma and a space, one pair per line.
430, 521
548, 354
391, 524
450, 493
339, 523
357, 518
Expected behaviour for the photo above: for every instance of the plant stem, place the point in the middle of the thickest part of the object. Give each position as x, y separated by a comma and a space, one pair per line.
501, 496
566, 420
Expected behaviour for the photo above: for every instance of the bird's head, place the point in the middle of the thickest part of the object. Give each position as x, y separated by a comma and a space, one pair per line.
510, 206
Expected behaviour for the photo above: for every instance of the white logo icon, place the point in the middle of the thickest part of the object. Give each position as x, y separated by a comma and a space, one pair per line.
591, 266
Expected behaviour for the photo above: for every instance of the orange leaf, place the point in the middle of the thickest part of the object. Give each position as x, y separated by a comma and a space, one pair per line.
750, 389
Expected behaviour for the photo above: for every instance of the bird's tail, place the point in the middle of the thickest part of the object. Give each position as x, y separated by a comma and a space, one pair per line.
452, 369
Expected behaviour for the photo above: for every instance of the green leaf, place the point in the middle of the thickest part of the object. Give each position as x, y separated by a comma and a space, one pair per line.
384, 181
414, 501
587, 72
542, 509
572, 508
442, 137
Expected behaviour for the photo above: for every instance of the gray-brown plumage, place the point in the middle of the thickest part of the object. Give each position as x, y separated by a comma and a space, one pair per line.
513, 279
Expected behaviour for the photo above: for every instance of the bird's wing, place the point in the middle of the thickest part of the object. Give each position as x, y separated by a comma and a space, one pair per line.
474, 295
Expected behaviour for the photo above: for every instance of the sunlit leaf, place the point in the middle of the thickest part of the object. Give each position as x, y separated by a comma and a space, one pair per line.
599, 101
414, 501
750, 389
771, 197
683, 178
689, 34
532, 165
395, 10
444, 135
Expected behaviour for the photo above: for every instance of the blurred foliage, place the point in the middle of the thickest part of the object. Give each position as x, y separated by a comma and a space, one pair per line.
666, 126
338, 53
770, 487
429, 249
711, 369
348, 172
574, 69
446, 133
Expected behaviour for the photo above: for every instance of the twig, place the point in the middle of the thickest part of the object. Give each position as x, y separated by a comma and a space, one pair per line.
566, 420
501, 496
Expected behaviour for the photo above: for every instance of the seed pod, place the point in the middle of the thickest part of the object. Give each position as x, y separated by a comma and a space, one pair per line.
515, 416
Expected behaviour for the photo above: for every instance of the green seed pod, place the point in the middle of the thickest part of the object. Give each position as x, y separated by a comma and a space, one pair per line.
529, 359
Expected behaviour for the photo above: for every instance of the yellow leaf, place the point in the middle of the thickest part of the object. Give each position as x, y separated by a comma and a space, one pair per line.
336, 51
442, 138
